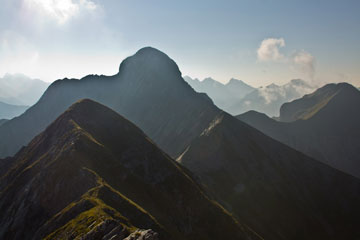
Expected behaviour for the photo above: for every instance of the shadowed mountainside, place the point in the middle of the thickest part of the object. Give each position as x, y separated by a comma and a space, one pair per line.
277, 191
2, 121
93, 174
148, 90
324, 125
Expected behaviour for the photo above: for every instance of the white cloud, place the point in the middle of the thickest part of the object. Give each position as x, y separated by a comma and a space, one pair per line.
269, 49
60, 10
305, 63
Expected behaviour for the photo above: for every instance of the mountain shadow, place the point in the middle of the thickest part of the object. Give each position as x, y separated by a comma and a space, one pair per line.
92, 174
277, 191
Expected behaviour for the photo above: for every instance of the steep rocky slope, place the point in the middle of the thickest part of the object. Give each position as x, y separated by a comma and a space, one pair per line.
94, 175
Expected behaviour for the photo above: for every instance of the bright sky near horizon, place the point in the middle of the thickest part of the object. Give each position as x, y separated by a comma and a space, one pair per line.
257, 41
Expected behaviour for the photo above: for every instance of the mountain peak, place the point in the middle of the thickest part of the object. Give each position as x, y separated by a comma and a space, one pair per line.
311, 104
92, 116
150, 50
150, 59
273, 85
83, 105
235, 81
91, 166
209, 79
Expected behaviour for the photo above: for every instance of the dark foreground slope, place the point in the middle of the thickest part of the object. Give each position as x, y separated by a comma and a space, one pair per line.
279, 192
92, 171
324, 125
148, 90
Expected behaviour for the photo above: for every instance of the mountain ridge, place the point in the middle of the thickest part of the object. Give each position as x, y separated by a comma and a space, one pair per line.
222, 94
140, 87
279, 192
103, 169
312, 125
268, 99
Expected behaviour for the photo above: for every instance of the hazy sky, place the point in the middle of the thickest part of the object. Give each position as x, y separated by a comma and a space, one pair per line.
258, 41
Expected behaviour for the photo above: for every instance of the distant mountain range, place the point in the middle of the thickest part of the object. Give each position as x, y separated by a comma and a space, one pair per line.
223, 95
237, 97
18, 89
269, 99
8, 111
90, 153
324, 125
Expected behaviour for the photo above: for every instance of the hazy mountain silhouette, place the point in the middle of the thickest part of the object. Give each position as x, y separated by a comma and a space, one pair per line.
279, 192
18, 89
223, 95
269, 99
148, 90
2, 121
325, 125
94, 175
9, 111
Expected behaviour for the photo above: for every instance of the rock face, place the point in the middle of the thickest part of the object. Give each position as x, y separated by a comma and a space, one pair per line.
275, 190
223, 95
94, 175
324, 125
8, 111
106, 230
148, 90
143, 235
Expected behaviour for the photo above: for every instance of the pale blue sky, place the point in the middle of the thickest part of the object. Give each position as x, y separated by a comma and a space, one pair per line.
51, 39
